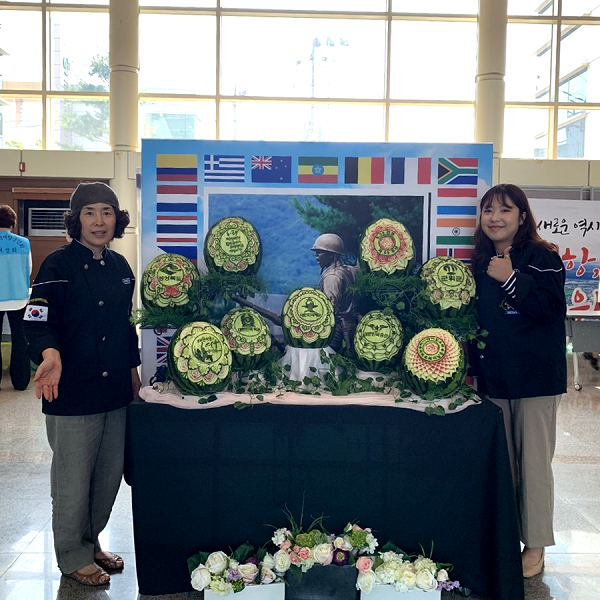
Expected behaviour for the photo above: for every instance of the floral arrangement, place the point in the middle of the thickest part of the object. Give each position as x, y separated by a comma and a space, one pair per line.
224, 574
299, 550
394, 567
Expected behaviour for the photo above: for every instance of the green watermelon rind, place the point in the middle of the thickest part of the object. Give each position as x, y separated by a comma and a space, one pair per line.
248, 352
204, 376
443, 299
438, 386
398, 258
218, 261
373, 356
302, 334
156, 293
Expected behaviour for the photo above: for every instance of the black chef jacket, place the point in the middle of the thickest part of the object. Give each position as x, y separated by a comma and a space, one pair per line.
81, 307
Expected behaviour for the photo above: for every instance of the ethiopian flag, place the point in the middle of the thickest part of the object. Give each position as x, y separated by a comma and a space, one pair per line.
317, 169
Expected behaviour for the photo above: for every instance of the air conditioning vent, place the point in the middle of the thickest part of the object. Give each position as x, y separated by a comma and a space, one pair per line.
44, 217
46, 221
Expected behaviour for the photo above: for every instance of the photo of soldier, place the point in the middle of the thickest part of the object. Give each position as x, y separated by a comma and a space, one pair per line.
336, 278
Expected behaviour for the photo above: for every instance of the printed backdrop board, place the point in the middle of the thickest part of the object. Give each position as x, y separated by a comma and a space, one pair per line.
293, 192
573, 226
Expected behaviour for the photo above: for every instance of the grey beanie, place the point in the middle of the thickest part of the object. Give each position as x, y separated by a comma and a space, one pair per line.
92, 193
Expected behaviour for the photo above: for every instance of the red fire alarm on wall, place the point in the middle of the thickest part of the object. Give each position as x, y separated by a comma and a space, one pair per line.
22, 167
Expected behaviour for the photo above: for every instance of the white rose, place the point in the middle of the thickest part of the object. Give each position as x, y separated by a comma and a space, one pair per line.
338, 542
426, 581
323, 554
267, 575
268, 561
408, 579
279, 536
347, 545
282, 561
233, 564
442, 575
217, 562
200, 577
248, 571
366, 581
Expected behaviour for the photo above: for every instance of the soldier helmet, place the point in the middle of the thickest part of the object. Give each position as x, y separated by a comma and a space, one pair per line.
330, 242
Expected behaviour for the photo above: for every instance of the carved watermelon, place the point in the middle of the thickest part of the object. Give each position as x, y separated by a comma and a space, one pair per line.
378, 340
450, 286
199, 358
232, 246
434, 364
248, 336
168, 280
387, 246
307, 319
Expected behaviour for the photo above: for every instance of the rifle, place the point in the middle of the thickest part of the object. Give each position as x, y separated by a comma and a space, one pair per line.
265, 312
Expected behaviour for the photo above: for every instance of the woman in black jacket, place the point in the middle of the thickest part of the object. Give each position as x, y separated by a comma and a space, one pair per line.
78, 329
521, 303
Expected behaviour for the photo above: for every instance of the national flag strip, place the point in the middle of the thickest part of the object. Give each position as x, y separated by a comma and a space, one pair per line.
410, 171
162, 345
457, 171
364, 169
177, 204
271, 169
317, 169
464, 254
455, 224
222, 168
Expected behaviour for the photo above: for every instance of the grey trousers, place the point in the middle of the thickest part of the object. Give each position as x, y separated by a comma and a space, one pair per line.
530, 425
87, 467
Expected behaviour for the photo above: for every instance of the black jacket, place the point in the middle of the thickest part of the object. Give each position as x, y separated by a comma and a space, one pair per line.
525, 352
81, 307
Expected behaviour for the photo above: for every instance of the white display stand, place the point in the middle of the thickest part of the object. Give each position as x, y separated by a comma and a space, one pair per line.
272, 591
388, 592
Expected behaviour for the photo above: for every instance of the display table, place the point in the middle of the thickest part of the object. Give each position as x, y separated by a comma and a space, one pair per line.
211, 479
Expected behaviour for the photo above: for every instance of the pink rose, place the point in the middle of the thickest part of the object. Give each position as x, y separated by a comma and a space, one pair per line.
364, 564
296, 549
285, 545
304, 553
294, 558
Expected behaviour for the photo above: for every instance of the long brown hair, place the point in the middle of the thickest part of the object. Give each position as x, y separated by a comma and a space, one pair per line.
527, 232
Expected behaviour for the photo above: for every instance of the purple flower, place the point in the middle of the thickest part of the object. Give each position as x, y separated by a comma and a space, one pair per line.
233, 575
340, 557
252, 560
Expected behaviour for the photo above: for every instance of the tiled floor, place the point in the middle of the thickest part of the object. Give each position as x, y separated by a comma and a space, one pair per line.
28, 570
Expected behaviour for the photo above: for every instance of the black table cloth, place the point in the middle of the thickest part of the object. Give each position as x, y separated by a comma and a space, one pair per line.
212, 479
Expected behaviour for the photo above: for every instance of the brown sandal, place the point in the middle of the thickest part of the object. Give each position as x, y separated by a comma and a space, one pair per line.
93, 579
110, 562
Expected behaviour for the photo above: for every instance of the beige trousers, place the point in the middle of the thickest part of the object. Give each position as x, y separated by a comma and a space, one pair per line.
530, 425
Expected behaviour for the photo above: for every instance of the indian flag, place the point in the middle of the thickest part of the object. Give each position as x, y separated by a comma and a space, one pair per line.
455, 225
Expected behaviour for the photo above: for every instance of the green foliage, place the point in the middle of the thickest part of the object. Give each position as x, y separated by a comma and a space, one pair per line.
210, 298
93, 124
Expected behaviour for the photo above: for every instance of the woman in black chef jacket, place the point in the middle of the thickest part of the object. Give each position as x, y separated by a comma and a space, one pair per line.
78, 329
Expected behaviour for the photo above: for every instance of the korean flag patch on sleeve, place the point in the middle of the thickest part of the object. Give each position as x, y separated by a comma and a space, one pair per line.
36, 313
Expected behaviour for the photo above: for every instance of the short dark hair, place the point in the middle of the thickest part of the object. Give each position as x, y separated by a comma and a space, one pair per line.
73, 224
8, 217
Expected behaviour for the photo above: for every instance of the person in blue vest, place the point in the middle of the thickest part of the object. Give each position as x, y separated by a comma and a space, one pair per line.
78, 328
15, 271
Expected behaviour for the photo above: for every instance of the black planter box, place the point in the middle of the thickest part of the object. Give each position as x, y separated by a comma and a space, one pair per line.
321, 583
